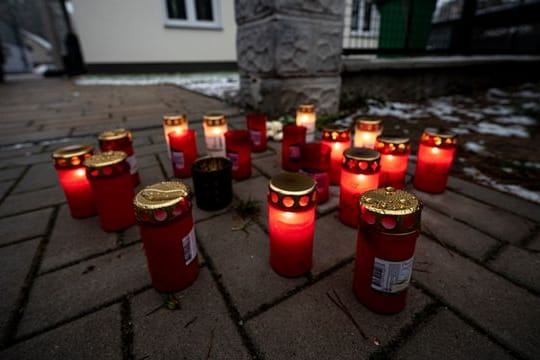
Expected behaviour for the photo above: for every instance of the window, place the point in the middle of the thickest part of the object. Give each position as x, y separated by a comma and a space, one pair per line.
364, 18
193, 13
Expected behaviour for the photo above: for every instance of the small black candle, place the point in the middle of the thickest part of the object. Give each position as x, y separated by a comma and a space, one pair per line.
212, 180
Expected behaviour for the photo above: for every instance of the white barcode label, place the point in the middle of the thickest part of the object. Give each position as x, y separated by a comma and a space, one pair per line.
391, 276
294, 152
214, 143
133, 165
233, 156
190, 247
255, 136
178, 160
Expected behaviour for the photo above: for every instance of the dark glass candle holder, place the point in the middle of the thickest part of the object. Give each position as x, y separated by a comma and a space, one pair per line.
212, 180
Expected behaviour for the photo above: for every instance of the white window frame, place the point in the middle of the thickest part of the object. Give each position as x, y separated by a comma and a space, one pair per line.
191, 21
375, 19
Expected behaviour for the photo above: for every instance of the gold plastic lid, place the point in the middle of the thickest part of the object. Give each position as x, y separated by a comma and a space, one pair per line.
336, 133
393, 144
163, 201
174, 120
364, 124
361, 160
214, 119
72, 155
114, 134
290, 191
105, 159
439, 137
306, 108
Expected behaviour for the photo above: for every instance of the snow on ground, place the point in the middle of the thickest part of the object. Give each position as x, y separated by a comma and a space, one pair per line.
498, 130
474, 147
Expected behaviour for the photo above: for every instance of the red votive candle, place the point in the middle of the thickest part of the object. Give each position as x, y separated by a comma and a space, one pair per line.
294, 137
215, 127
183, 151
366, 132
238, 147
359, 173
389, 227
291, 223
121, 140
435, 155
316, 164
173, 123
68, 162
394, 158
339, 140
256, 124
112, 186
306, 116
163, 212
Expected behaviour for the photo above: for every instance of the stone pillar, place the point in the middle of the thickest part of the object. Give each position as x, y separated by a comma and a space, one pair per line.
289, 53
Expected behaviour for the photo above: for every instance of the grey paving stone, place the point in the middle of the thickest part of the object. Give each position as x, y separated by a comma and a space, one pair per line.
332, 203
187, 333
448, 337
507, 312
33, 136
269, 152
27, 160
39, 176
150, 149
242, 260
519, 265
166, 163
4, 187
254, 189
11, 173
146, 161
20, 151
66, 293
97, 335
299, 322
534, 244
16, 203
149, 176
131, 235
15, 228
269, 166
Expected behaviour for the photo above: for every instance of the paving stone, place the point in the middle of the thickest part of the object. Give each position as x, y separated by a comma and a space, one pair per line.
332, 203
507, 312
448, 337
39, 176
269, 166
16, 203
97, 335
166, 163
299, 320
66, 293
33, 136
19, 151
254, 189
269, 152
4, 187
242, 260
131, 235
149, 176
150, 149
15, 228
186, 334
11, 173
27, 160
147, 161
534, 244
519, 265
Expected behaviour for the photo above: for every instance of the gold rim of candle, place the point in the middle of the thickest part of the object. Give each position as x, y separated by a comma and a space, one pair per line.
439, 137
114, 134
105, 159
214, 119
361, 154
174, 120
390, 201
367, 124
292, 184
162, 201
306, 108
67, 152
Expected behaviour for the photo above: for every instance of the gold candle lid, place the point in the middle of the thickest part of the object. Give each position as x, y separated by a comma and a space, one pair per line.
361, 160
174, 120
114, 134
393, 144
336, 133
162, 202
439, 137
306, 108
364, 124
214, 119
289, 191
106, 164
72, 155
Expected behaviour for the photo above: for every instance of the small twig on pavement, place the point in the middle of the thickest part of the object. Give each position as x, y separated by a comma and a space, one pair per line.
169, 301
190, 322
337, 301
210, 345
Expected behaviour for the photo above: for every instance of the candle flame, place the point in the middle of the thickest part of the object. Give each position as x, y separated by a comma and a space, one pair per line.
216, 131
80, 172
435, 150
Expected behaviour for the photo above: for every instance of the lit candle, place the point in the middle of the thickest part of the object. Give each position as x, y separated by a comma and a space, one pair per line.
394, 157
387, 233
359, 173
291, 223
112, 186
173, 123
121, 140
183, 148
366, 132
238, 146
339, 139
293, 138
215, 127
316, 164
68, 162
163, 212
435, 155
256, 124
212, 180
305, 116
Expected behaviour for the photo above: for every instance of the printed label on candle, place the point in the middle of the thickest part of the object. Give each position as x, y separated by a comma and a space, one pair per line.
294, 152
233, 156
214, 142
190, 247
391, 276
255, 136
133, 165
178, 159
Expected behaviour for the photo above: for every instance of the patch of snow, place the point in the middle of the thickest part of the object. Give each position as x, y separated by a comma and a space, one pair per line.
498, 110
449, 118
494, 129
531, 106
507, 170
516, 119
532, 165
472, 114
527, 94
460, 131
497, 92
474, 147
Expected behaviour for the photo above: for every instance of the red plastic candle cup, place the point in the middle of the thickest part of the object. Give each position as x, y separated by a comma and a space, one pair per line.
121, 140
215, 127
395, 152
163, 213
389, 227
291, 223
339, 140
112, 186
294, 137
256, 124
173, 123
238, 147
305, 116
68, 162
366, 132
435, 155
359, 173
183, 151
316, 164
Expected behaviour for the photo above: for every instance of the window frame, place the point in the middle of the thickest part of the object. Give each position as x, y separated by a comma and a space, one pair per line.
374, 16
191, 21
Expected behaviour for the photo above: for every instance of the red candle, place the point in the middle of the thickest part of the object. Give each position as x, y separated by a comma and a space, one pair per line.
394, 158
293, 138
112, 186
256, 124
339, 139
291, 223
68, 162
183, 151
121, 140
173, 123
215, 127
163, 212
389, 227
316, 164
305, 116
238, 147
359, 173
435, 155
366, 132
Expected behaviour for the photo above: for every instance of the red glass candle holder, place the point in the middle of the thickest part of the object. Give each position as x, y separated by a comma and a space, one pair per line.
256, 124
291, 223
435, 155
293, 138
366, 132
389, 227
112, 186
163, 213
173, 123
395, 152
339, 140
306, 116
68, 162
238, 146
183, 151
121, 140
215, 127
316, 164
359, 173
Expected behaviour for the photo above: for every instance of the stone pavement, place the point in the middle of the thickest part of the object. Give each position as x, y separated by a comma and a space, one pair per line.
71, 291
